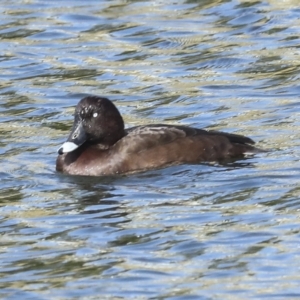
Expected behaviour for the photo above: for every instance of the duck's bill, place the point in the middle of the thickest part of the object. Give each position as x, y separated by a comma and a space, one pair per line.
76, 138
67, 147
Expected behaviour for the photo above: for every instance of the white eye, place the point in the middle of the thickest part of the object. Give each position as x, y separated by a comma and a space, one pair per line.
95, 115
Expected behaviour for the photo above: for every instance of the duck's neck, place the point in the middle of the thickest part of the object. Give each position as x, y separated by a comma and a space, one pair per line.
109, 140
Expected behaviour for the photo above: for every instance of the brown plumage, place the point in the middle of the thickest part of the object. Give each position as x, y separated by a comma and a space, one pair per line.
99, 145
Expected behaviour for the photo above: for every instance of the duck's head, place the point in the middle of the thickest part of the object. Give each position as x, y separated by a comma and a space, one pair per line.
96, 120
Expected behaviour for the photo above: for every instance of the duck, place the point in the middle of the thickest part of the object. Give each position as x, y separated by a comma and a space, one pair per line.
99, 144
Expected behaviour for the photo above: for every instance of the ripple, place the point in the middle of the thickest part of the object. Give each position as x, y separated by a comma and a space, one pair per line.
184, 232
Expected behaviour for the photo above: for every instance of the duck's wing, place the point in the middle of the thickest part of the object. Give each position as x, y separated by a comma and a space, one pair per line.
145, 137
233, 138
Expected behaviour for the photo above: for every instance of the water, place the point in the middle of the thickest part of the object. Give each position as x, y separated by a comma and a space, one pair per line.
184, 232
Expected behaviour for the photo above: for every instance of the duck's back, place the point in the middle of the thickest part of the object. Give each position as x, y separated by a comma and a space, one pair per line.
154, 146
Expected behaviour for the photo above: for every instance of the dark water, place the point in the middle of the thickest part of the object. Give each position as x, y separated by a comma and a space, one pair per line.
185, 232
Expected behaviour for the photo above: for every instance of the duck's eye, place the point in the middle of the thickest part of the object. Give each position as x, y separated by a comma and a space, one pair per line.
95, 115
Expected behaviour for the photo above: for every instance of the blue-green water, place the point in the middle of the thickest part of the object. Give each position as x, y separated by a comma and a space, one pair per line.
186, 232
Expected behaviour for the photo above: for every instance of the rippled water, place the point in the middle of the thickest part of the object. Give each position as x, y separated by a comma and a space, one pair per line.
185, 232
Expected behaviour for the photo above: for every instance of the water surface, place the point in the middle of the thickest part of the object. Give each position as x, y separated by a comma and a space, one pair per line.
185, 232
